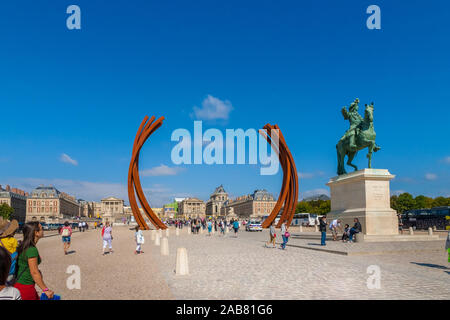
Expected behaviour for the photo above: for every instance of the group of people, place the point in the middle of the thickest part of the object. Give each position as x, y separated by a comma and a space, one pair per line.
19, 262
335, 226
82, 226
273, 235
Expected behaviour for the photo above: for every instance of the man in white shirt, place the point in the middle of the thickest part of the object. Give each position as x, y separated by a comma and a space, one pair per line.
334, 225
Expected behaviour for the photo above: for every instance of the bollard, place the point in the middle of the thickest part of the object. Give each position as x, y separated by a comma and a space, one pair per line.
153, 235
316, 228
201, 230
177, 232
157, 240
434, 228
226, 229
189, 230
411, 231
165, 246
167, 232
160, 233
182, 266
430, 231
301, 228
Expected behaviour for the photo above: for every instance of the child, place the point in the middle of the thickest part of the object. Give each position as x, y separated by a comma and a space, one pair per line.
10, 243
6, 293
139, 237
345, 235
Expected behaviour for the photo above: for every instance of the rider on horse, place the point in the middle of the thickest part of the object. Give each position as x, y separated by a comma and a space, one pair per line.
355, 123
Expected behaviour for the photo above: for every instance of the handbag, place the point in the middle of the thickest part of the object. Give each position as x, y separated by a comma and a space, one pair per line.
287, 234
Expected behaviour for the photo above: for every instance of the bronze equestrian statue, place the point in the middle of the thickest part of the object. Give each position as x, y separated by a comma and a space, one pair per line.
360, 135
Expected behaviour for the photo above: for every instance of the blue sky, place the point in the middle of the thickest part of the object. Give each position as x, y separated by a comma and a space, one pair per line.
80, 95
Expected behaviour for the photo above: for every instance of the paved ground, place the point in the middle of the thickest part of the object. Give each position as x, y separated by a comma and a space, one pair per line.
236, 268
242, 268
120, 275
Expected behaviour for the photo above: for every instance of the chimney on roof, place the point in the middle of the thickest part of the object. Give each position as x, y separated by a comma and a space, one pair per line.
8, 188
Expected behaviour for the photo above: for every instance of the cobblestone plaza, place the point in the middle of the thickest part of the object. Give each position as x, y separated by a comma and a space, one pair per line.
229, 267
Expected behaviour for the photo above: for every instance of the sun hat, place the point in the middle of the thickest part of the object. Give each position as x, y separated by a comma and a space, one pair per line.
7, 227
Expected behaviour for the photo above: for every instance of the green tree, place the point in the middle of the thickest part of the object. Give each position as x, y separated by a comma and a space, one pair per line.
303, 206
325, 207
405, 202
394, 205
441, 202
6, 211
422, 202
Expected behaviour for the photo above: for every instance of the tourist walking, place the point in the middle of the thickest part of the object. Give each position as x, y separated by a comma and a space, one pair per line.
323, 230
84, 225
222, 227
285, 234
236, 227
209, 227
66, 233
28, 271
139, 237
6, 292
80, 226
272, 234
107, 237
356, 229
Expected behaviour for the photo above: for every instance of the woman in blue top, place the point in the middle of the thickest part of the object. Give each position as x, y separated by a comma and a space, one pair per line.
209, 227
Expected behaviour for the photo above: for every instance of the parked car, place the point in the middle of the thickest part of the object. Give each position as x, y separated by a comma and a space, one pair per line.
253, 225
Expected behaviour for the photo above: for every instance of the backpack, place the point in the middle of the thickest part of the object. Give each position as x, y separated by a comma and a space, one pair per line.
65, 232
14, 256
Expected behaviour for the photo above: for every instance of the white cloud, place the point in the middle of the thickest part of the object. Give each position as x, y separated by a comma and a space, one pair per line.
309, 175
314, 192
65, 158
446, 160
430, 176
90, 191
161, 170
213, 108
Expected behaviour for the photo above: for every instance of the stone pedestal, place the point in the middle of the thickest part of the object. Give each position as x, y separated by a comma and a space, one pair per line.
364, 194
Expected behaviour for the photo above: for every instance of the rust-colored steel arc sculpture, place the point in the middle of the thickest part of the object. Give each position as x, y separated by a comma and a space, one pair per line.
134, 184
287, 200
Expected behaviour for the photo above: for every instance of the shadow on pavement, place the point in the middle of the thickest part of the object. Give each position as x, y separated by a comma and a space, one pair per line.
430, 265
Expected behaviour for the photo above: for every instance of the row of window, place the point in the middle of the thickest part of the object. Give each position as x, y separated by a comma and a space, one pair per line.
35, 203
42, 209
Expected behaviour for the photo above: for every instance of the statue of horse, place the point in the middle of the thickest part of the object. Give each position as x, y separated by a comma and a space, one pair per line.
365, 138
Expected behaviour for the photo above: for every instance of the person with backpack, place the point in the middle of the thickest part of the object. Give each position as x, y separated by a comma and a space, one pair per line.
139, 237
29, 259
66, 233
8, 242
6, 292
